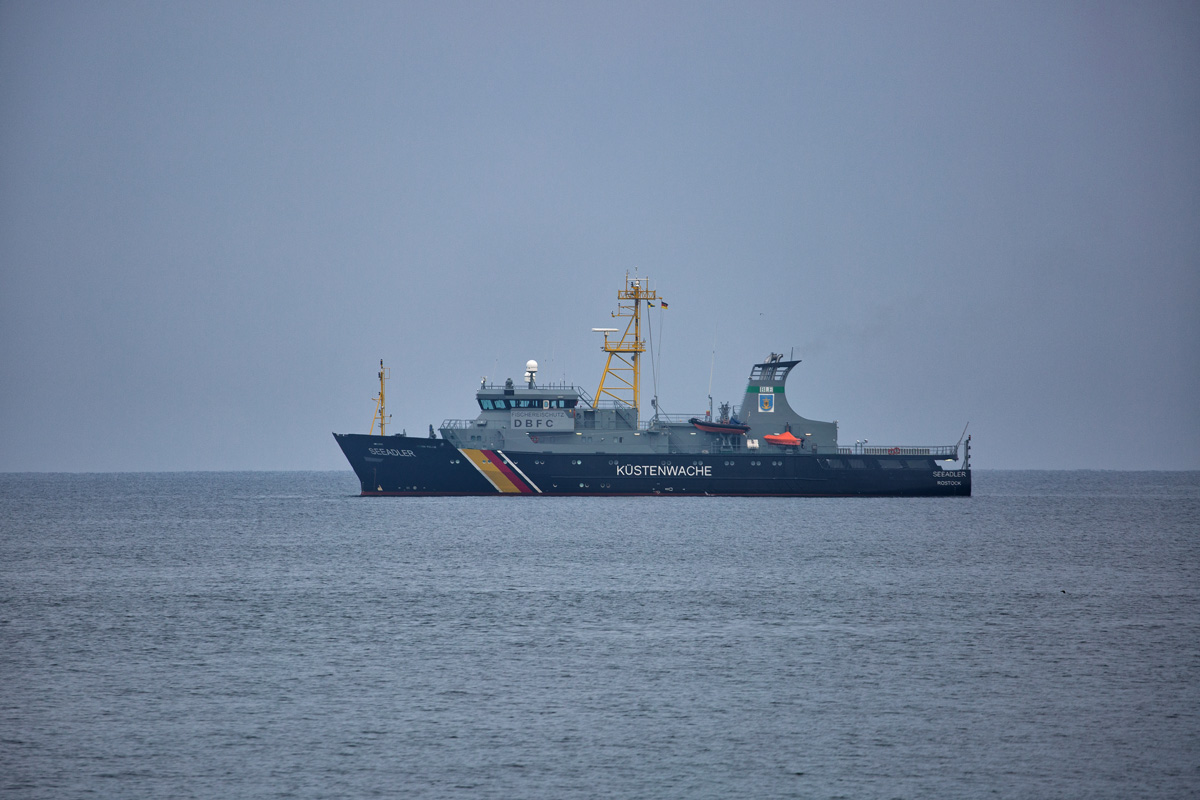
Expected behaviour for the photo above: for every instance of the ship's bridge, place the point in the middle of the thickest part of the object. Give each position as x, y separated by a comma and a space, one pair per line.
506, 396
773, 371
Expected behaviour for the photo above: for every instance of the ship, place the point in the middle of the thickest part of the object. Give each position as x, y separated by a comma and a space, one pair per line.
532, 438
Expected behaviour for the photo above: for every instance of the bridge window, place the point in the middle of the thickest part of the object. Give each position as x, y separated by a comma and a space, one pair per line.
500, 404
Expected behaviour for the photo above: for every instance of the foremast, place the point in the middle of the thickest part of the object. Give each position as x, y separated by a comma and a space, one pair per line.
381, 415
621, 380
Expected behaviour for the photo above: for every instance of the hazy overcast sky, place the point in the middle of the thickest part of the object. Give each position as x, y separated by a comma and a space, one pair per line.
216, 218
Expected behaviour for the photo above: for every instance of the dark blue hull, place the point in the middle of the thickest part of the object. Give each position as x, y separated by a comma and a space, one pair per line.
405, 465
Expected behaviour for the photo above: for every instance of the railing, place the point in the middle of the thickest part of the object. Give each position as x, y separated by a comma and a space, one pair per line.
458, 424
671, 419
544, 387
676, 418
569, 387
604, 405
902, 450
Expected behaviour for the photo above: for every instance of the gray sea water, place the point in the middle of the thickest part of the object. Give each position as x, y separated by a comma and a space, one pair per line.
264, 635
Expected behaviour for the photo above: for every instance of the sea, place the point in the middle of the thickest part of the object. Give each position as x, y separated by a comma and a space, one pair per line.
274, 635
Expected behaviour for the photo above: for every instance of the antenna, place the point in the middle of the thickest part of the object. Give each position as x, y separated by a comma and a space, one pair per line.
653, 364
712, 364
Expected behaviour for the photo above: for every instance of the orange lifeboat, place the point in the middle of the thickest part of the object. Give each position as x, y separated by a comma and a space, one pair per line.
786, 439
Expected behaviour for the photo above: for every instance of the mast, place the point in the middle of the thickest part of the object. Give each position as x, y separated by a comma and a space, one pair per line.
381, 415
621, 380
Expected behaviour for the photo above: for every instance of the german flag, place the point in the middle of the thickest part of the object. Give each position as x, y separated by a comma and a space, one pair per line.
664, 303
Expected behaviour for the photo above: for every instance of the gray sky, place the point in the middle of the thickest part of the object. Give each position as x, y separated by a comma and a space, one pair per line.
216, 218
